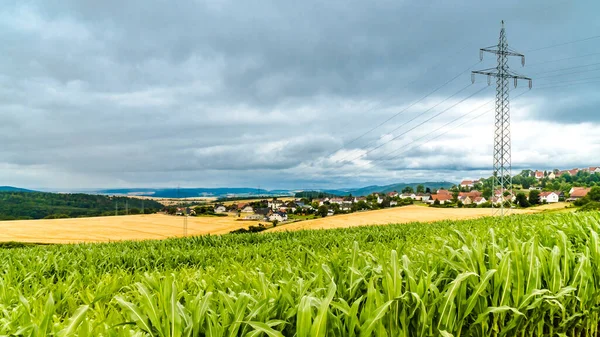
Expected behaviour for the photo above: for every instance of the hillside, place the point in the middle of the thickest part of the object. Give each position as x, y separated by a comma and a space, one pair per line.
194, 192
13, 189
253, 192
39, 205
363, 191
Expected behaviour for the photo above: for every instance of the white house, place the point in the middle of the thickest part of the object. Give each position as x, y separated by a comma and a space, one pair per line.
393, 203
479, 200
594, 169
275, 204
467, 183
247, 209
338, 201
220, 209
423, 197
549, 197
346, 206
408, 196
279, 216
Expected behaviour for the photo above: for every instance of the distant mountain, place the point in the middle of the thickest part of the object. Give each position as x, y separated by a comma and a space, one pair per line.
196, 192
389, 188
13, 189
253, 192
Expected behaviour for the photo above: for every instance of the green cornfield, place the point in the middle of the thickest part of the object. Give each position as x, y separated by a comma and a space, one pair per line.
535, 275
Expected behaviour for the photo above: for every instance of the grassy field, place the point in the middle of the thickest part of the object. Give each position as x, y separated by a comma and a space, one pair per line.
159, 226
529, 275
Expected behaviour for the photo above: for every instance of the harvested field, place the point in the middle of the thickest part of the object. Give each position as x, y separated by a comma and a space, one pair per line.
160, 226
401, 215
114, 228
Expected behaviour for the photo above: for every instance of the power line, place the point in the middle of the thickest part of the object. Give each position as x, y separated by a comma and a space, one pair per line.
571, 73
403, 124
566, 85
453, 128
563, 59
563, 43
569, 68
416, 126
403, 110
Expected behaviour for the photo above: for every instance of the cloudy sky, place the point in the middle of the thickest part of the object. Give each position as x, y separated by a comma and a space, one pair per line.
287, 94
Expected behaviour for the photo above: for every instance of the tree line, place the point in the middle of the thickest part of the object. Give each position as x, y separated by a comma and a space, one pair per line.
41, 205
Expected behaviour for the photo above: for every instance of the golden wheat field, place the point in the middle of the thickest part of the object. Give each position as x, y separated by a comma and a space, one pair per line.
114, 228
405, 214
160, 226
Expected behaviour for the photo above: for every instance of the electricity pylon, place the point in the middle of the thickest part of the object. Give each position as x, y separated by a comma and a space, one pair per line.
502, 178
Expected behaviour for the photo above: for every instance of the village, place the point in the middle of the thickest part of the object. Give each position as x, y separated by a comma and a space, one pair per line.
468, 194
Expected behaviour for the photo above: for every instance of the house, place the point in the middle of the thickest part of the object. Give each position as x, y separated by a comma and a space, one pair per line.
408, 196
392, 194
291, 206
275, 204
578, 193
479, 200
538, 174
393, 203
357, 199
466, 200
467, 183
264, 212
279, 216
254, 217
551, 176
473, 194
323, 201
246, 209
441, 191
423, 197
442, 197
346, 206
338, 201
220, 209
549, 197
594, 170
379, 198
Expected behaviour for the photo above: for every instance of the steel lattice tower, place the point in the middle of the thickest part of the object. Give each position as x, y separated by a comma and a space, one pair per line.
502, 177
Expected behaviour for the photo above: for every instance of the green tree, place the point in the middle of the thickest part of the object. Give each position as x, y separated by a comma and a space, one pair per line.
521, 200
420, 188
322, 211
408, 189
534, 197
487, 193
594, 193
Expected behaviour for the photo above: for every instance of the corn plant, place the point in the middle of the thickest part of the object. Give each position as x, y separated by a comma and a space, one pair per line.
535, 275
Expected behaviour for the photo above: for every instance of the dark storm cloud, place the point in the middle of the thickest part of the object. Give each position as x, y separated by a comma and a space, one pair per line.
222, 92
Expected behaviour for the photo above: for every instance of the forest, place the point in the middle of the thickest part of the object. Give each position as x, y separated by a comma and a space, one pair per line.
42, 205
